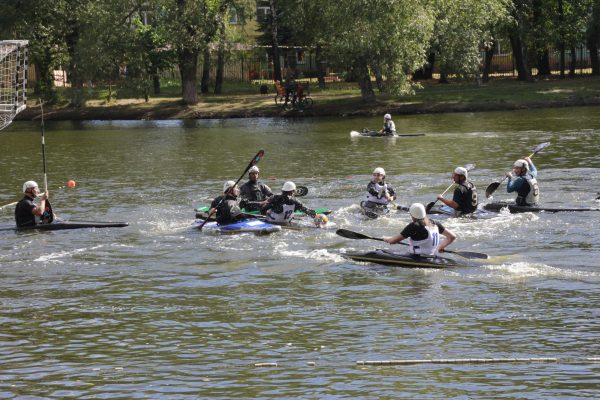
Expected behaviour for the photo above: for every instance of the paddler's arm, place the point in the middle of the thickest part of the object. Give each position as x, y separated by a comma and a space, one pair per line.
449, 237
393, 239
39, 210
448, 202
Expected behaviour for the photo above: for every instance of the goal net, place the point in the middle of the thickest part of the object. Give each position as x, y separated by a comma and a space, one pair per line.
13, 79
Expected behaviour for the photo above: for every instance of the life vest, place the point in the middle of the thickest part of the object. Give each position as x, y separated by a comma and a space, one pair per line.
529, 194
426, 247
469, 201
389, 127
380, 198
285, 215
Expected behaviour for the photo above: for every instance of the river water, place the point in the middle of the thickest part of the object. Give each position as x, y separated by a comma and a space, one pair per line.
158, 310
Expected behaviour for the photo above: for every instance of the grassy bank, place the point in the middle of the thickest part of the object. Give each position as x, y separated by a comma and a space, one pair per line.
338, 100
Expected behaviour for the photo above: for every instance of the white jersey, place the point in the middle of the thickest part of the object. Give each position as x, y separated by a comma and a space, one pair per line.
380, 198
426, 247
285, 216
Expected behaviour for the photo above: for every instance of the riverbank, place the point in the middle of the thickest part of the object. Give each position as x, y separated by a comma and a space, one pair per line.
498, 95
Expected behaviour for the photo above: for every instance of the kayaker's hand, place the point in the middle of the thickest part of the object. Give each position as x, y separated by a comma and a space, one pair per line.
441, 250
44, 195
387, 239
440, 197
509, 175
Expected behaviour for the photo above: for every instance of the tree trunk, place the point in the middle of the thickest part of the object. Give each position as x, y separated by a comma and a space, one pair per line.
594, 59
520, 57
188, 68
220, 59
275, 43
364, 82
426, 72
562, 60
378, 76
543, 63
156, 83
72, 38
320, 69
573, 65
487, 64
205, 71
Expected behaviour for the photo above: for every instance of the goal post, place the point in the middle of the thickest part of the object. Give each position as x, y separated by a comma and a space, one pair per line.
13, 79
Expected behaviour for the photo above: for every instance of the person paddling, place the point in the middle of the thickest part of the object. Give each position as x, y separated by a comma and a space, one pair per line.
280, 207
378, 191
27, 213
524, 182
424, 233
228, 207
389, 128
255, 192
464, 199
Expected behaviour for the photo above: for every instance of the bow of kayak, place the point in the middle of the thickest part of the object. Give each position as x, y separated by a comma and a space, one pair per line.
513, 208
64, 225
255, 226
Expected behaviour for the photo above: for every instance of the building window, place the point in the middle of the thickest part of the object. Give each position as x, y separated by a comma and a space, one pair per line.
233, 16
262, 13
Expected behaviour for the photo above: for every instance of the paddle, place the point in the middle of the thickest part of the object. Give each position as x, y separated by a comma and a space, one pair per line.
252, 162
494, 185
48, 215
355, 235
430, 205
8, 205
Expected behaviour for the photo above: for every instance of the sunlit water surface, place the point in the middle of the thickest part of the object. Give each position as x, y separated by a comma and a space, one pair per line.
158, 310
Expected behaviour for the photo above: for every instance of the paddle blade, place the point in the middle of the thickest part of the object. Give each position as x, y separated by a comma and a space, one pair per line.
354, 235
469, 254
429, 206
540, 147
301, 191
491, 188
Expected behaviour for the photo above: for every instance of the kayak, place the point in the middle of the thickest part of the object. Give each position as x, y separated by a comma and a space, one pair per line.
369, 133
202, 212
255, 226
373, 210
64, 225
513, 208
404, 260
444, 210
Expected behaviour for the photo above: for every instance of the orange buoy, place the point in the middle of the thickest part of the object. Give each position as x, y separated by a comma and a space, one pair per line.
71, 183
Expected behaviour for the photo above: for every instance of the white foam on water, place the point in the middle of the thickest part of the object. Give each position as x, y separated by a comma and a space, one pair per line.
64, 254
523, 270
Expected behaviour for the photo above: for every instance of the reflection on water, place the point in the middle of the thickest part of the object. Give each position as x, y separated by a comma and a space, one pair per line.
157, 310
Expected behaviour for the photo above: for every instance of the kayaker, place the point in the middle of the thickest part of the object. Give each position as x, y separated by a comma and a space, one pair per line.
424, 233
228, 207
378, 191
464, 199
27, 213
524, 182
280, 207
389, 128
255, 192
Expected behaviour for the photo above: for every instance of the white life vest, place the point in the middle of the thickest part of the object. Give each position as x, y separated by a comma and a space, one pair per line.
534, 192
426, 247
380, 199
285, 216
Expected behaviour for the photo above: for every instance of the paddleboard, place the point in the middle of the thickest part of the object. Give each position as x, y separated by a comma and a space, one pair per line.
64, 225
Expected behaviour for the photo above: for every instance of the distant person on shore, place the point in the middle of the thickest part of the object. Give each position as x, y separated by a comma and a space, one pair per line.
290, 86
228, 207
424, 233
389, 128
27, 213
281, 207
464, 199
524, 182
255, 192
378, 191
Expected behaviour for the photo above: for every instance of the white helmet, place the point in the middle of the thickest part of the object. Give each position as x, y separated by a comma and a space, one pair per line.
253, 169
289, 187
228, 185
417, 210
29, 185
461, 171
379, 170
521, 164
387, 116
